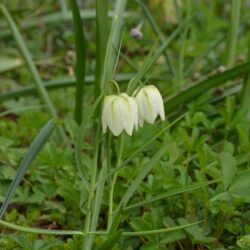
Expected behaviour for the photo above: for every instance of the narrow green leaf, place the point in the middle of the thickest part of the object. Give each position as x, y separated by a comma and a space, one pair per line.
233, 32
185, 189
101, 41
21, 109
55, 84
140, 149
80, 139
196, 231
80, 60
113, 43
33, 151
31, 65
59, 17
150, 232
38, 230
157, 31
245, 93
198, 58
97, 205
213, 81
153, 57
139, 178
28, 59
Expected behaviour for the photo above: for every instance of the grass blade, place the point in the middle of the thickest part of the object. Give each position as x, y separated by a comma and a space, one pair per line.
213, 81
176, 191
80, 45
29, 61
113, 43
38, 230
80, 139
137, 181
21, 109
31, 65
183, 40
203, 55
233, 32
153, 57
97, 206
60, 17
101, 41
33, 151
157, 31
56, 84
245, 92
140, 149
150, 232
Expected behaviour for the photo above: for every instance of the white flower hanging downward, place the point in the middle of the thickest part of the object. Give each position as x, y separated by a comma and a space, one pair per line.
119, 113
150, 104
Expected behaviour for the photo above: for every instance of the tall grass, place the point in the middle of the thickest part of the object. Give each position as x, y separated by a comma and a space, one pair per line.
32, 67
80, 45
233, 32
108, 156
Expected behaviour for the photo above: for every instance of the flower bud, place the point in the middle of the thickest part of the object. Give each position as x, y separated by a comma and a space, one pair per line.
136, 32
119, 113
150, 104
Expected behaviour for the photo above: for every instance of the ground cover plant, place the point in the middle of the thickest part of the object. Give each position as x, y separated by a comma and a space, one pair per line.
124, 124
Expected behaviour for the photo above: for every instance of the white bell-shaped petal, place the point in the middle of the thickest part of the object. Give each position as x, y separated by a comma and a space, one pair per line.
150, 104
119, 113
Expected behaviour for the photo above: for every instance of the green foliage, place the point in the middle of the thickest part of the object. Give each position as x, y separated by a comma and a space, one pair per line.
181, 184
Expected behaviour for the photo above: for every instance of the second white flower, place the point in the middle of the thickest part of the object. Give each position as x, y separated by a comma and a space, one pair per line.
150, 104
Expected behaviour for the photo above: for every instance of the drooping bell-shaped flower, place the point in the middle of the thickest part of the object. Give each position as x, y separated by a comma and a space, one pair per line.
119, 113
150, 104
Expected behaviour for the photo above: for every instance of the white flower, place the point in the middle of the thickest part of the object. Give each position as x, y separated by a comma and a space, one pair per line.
150, 104
119, 113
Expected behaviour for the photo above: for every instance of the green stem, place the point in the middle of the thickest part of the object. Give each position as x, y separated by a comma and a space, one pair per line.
111, 194
90, 198
113, 44
115, 84
97, 206
39, 231
91, 192
233, 32
95, 203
